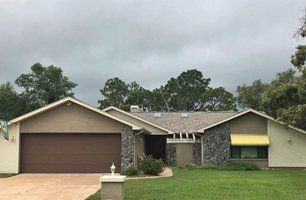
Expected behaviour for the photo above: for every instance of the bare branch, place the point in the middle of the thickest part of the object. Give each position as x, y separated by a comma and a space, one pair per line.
301, 31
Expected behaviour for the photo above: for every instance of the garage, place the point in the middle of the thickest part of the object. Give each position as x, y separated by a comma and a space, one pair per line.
68, 136
69, 153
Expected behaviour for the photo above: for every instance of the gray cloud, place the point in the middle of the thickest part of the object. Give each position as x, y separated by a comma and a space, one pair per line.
232, 42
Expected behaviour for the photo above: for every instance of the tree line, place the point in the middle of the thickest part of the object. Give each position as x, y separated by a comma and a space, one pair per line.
284, 98
190, 91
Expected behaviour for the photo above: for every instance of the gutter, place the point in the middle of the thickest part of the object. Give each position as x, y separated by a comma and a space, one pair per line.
135, 158
202, 148
202, 145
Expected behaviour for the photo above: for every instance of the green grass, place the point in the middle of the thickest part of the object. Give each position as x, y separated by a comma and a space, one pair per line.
216, 184
6, 175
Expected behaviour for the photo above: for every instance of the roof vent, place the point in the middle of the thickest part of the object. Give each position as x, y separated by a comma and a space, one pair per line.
157, 114
184, 114
134, 109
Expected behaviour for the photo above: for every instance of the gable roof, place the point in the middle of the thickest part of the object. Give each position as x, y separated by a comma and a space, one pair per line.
249, 111
175, 123
137, 118
199, 121
73, 100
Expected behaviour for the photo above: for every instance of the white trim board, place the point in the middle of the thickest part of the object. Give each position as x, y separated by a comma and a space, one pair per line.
248, 111
73, 100
133, 116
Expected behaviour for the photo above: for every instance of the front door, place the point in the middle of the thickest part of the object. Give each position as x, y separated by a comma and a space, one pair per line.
155, 145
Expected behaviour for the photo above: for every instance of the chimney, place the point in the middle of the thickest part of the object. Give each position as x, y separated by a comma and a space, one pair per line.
134, 108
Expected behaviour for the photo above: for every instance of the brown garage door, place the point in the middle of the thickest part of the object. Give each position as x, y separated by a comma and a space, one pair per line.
69, 153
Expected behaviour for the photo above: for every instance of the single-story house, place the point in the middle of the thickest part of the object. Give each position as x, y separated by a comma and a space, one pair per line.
70, 136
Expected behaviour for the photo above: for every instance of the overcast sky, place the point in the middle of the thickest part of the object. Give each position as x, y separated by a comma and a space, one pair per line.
149, 41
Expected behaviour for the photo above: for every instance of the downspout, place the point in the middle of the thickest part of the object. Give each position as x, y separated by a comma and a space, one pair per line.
270, 138
135, 158
202, 148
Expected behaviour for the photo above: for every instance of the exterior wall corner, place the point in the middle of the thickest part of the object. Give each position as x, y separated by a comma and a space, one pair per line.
10, 151
127, 147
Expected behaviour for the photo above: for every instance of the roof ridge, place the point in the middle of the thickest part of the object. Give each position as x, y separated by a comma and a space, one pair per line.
73, 100
186, 111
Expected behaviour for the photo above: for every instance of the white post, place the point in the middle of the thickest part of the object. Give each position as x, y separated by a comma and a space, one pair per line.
112, 186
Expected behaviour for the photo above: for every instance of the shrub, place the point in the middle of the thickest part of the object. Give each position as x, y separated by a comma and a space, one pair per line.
149, 165
230, 166
242, 166
6, 175
192, 167
131, 171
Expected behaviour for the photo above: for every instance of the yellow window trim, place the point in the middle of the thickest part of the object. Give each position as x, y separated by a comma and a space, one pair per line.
249, 140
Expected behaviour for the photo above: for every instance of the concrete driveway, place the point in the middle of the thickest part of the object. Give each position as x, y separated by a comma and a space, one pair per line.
49, 186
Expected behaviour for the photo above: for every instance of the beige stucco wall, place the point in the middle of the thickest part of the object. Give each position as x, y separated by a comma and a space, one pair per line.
139, 148
132, 120
70, 119
284, 153
9, 151
184, 154
249, 123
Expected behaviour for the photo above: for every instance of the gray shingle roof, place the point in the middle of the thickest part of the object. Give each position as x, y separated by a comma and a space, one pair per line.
174, 122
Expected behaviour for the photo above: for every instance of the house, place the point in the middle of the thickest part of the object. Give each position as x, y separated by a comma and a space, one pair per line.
70, 136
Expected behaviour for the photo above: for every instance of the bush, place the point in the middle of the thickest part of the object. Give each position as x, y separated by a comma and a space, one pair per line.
230, 166
192, 167
131, 171
236, 166
149, 165
6, 175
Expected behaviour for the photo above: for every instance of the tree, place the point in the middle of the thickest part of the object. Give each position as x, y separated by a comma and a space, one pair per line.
298, 59
294, 115
251, 95
281, 93
301, 31
301, 82
9, 106
282, 96
137, 95
158, 100
185, 91
295, 112
181, 93
286, 77
117, 93
285, 98
219, 99
114, 93
44, 85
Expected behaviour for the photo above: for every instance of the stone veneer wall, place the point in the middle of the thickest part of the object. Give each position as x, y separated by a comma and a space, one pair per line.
127, 147
217, 144
197, 153
171, 154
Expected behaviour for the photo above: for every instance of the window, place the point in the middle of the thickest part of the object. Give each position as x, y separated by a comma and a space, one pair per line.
245, 152
248, 152
157, 114
235, 152
184, 114
262, 152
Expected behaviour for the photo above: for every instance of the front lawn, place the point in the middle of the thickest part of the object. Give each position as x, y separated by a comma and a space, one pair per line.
215, 184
